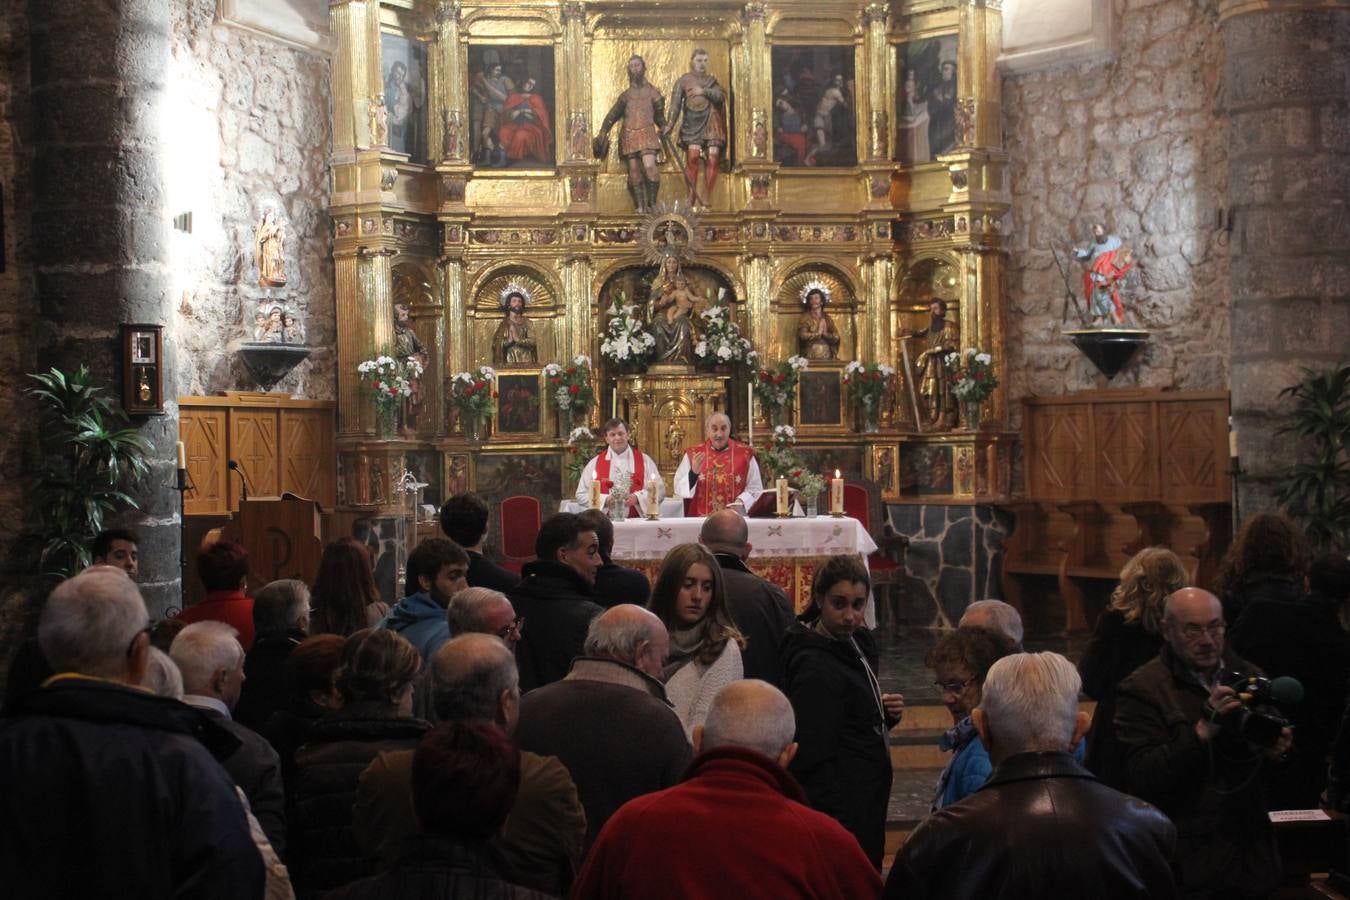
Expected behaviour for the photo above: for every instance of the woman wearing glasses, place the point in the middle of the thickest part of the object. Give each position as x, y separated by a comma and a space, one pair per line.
705, 645
960, 660
843, 719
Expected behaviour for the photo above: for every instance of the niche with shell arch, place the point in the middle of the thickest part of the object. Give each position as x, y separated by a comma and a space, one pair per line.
635, 285
487, 311
789, 306
928, 278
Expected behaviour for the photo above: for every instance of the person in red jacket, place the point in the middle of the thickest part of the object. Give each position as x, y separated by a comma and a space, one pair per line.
223, 569
737, 826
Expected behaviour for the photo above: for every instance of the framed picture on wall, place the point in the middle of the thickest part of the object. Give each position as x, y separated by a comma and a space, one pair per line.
820, 398
512, 113
815, 107
404, 63
143, 370
520, 411
925, 96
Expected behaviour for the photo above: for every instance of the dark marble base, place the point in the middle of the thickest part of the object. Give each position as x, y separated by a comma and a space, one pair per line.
954, 559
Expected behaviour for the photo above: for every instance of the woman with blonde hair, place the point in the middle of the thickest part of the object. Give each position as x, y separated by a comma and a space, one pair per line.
705, 644
1128, 634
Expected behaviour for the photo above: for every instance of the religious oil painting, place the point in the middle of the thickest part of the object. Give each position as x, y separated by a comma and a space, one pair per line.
926, 113
512, 118
926, 471
519, 411
820, 398
815, 106
405, 94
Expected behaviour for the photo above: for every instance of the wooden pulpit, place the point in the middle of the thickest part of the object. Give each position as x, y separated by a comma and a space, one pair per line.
283, 536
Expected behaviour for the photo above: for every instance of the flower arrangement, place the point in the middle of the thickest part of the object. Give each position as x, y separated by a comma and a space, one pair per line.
581, 446
473, 396
781, 460
776, 386
390, 381
867, 386
571, 385
972, 374
722, 343
626, 343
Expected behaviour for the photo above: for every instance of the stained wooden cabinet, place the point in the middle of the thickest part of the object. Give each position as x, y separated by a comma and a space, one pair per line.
281, 445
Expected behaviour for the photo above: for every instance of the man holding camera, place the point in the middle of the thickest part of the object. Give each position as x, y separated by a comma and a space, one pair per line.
1201, 751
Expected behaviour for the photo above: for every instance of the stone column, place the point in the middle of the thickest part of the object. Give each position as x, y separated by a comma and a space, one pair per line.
1285, 96
100, 229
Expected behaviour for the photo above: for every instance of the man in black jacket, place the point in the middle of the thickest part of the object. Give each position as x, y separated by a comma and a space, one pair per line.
1185, 751
105, 789
759, 608
212, 664
614, 584
1042, 826
464, 520
556, 599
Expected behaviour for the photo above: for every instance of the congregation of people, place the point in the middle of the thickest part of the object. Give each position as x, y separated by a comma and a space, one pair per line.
577, 731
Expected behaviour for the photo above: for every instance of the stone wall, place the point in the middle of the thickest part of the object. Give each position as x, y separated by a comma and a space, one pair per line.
1138, 144
249, 123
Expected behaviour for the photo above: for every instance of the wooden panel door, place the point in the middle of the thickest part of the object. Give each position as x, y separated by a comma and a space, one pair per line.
308, 460
203, 435
1059, 452
1126, 444
254, 445
1194, 451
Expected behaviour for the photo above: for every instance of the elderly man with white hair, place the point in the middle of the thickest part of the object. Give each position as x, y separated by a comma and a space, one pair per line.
106, 789
1042, 826
737, 825
609, 720
998, 617
719, 473
211, 660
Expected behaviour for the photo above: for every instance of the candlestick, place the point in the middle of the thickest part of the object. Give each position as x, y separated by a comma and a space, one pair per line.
595, 494
781, 488
836, 495
182, 456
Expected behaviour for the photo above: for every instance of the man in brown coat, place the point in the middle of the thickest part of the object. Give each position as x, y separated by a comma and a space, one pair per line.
474, 678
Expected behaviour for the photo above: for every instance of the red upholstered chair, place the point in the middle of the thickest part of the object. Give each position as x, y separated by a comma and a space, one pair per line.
886, 564
519, 527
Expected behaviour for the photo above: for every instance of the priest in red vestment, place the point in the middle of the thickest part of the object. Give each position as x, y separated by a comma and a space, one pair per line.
620, 456
525, 132
718, 473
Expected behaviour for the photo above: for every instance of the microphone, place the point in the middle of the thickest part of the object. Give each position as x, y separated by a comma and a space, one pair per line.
1286, 690
243, 480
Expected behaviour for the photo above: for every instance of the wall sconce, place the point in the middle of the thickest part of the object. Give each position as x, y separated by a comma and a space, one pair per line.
143, 370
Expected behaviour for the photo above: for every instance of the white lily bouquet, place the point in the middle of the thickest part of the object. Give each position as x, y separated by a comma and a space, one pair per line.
626, 343
722, 342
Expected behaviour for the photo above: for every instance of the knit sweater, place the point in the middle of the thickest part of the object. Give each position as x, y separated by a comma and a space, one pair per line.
692, 688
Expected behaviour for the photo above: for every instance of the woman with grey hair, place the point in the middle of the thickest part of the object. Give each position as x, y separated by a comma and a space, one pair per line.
280, 623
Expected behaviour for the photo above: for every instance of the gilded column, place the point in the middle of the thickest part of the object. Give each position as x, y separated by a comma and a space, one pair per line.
364, 329
577, 334
347, 20
878, 100
457, 323
757, 272
754, 100
449, 125
350, 330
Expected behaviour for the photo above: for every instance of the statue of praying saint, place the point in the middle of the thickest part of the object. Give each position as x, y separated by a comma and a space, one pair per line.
817, 336
269, 249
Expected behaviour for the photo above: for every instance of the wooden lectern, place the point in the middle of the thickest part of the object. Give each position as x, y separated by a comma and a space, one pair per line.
283, 536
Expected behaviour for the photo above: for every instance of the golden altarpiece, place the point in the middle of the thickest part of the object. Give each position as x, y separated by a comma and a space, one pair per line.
858, 150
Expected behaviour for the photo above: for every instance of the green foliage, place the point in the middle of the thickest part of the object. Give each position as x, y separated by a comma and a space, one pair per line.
88, 452
1316, 492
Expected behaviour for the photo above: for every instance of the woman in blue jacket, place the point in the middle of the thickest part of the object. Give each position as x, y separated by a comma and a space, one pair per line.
960, 661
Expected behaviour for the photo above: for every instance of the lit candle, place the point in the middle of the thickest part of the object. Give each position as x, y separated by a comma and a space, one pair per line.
595, 494
836, 495
782, 487
614, 403
182, 456
750, 416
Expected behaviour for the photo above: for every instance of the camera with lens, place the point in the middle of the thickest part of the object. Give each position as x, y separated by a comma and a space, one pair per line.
1259, 720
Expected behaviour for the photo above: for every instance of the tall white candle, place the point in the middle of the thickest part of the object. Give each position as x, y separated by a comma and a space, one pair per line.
836, 495
782, 491
182, 456
595, 494
750, 415
614, 403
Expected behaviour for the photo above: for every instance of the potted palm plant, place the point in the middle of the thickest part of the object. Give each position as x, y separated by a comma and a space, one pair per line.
1315, 492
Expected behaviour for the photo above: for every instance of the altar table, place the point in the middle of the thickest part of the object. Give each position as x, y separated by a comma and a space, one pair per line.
784, 551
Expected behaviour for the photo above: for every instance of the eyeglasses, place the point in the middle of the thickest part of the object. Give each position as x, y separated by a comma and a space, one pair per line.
514, 628
1194, 632
952, 687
